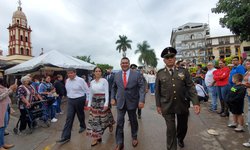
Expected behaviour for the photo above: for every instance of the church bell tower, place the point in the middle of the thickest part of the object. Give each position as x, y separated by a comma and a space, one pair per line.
19, 49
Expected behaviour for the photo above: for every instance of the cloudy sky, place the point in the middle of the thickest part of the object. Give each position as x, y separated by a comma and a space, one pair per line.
91, 27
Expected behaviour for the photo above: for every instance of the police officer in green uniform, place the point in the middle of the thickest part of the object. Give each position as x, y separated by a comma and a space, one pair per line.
173, 87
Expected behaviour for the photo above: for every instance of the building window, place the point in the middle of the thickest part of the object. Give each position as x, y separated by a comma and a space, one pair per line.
192, 37
199, 45
199, 36
27, 52
237, 48
227, 40
228, 50
192, 45
10, 51
186, 37
221, 51
26, 39
209, 42
210, 52
221, 41
13, 51
236, 39
21, 38
21, 51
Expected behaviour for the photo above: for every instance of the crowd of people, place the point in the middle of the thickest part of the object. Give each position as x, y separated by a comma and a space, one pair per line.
229, 85
173, 87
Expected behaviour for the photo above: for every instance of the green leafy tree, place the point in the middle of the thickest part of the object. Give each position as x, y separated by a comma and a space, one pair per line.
123, 43
104, 67
147, 56
85, 58
236, 18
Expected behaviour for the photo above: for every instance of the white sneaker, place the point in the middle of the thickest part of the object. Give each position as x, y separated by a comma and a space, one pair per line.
54, 120
232, 125
247, 144
239, 129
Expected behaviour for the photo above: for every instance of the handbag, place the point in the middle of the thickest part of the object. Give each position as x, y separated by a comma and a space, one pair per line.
206, 95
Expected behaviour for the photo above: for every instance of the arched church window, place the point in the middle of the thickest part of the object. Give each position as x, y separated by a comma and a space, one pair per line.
26, 39
27, 52
21, 38
21, 51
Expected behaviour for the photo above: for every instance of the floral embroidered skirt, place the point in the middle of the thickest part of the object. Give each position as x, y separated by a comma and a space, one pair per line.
99, 120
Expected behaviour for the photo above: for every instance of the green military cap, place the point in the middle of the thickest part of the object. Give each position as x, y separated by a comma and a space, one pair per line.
168, 52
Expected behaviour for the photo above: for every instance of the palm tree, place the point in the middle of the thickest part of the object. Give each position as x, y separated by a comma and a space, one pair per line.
123, 44
147, 56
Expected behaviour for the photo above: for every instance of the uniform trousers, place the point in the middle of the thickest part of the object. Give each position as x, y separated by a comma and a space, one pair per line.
75, 106
172, 133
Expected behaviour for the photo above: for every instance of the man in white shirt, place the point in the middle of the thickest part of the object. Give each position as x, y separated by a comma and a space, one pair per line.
77, 89
210, 83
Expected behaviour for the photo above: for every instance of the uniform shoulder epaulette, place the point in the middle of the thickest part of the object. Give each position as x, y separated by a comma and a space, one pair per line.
162, 69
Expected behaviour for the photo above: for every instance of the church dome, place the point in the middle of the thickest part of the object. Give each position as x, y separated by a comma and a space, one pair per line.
19, 17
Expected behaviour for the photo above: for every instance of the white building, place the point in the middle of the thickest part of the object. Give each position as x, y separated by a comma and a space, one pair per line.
189, 41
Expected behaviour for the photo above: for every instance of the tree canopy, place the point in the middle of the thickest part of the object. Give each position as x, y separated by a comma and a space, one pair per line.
123, 43
147, 56
104, 67
86, 58
236, 18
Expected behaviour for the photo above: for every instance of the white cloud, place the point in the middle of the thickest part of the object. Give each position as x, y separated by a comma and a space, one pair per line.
91, 27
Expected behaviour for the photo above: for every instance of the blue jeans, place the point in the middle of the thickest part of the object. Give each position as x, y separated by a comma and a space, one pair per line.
6, 118
213, 94
59, 101
152, 87
223, 92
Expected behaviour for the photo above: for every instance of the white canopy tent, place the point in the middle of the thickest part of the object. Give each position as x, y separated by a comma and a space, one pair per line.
50, 59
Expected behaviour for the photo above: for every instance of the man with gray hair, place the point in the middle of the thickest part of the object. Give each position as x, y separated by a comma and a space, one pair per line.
210, 83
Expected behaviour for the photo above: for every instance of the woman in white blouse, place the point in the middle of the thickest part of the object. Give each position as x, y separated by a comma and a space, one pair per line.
100, 116
151, 81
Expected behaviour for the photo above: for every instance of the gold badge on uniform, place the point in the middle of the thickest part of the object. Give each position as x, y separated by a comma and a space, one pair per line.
181, 75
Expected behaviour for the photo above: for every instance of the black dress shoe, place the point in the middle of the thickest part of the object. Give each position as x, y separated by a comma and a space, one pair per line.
81, 130
181, 144
220, 112
224, 115
119, 147
62, 141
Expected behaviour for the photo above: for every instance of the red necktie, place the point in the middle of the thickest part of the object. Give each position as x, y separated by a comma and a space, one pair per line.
124, 79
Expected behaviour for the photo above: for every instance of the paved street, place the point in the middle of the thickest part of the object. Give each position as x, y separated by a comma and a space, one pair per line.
152, 134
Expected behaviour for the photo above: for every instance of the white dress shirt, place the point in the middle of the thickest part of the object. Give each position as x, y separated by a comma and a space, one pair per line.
99, 87
127, 74
76, 87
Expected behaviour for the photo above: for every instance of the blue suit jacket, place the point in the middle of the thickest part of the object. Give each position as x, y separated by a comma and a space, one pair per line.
132, 94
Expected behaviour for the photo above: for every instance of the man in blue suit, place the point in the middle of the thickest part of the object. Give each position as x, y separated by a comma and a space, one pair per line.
128, 93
